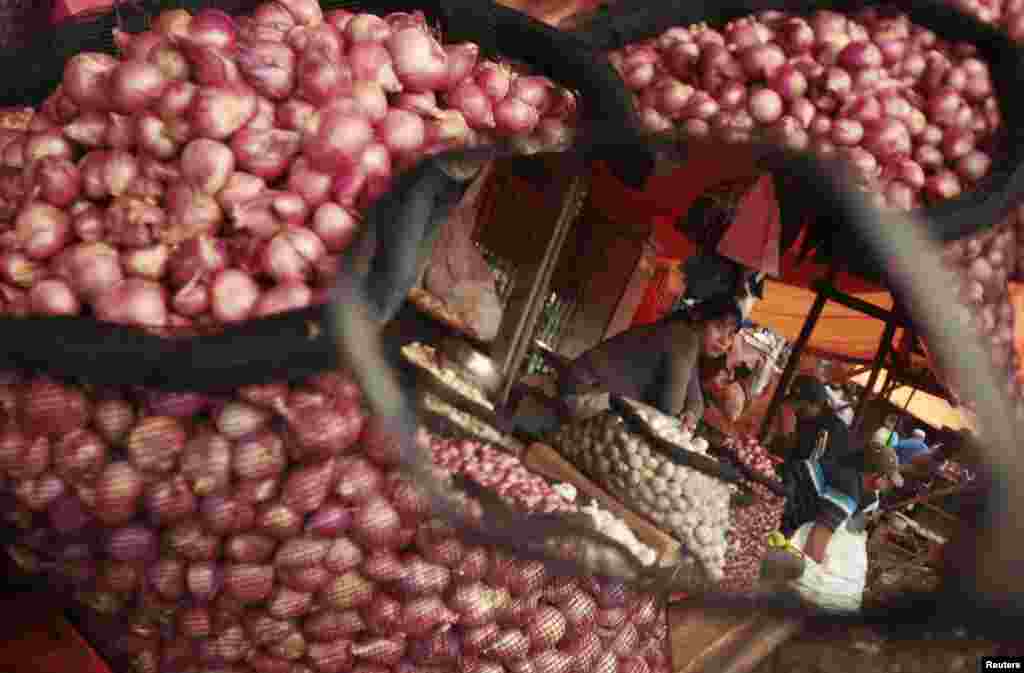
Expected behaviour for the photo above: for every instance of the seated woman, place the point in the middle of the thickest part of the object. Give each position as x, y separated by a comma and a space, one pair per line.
658, 364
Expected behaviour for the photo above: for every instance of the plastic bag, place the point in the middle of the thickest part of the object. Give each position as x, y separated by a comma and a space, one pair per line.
837, 585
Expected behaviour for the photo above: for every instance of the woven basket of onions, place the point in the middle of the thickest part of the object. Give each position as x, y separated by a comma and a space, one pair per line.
644, 458
229, 502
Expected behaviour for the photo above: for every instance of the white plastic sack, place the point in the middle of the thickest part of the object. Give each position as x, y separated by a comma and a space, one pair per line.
838, 584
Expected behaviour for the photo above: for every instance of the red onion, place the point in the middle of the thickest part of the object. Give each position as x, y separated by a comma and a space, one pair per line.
341, 137
321, 79
329, 520
360, 481
367, 28
249, 583
135, 85
171, 500
53, 297
206, 463
155, 443
887, 138
269, 67
23, 457
202, 256
384, 651
419, 61
306, 486
265, 153
288, 296
132, 302
376, 523
957, 143
763, 61
207, 164
348, 590
67, 515
79, 456
42, 230
462, 59
234, 295
943, 185
85, 80
118, 490
344, 555
974, 165
220, 111
132, 543
322, 431
512, 116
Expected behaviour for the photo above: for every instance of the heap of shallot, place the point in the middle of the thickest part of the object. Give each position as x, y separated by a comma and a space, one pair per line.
501, 472
751, 524
913, 114
270, 530
216, 170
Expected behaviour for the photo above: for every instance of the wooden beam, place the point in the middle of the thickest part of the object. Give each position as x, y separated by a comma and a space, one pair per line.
793, 362
876, 368
532, 301
867, 308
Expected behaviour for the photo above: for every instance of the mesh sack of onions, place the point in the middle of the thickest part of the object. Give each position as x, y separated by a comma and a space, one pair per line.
692, 506
216, 169
915, 115
269, 530
753, 521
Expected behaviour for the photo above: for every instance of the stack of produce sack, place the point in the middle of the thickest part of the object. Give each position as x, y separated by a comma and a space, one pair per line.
689, 504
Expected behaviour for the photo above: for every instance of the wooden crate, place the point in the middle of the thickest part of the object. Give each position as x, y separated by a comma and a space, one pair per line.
546, 461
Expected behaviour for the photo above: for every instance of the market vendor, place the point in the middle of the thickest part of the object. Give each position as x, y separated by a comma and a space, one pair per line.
913, 448
837, 489
658, 364
809, 403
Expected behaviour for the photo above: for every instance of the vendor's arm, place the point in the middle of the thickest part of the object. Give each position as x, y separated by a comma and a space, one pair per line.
693, 410
818, 539
680, 368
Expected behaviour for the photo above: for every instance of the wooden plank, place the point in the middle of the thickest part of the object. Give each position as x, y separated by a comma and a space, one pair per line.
695, 633
719, 641
546, 461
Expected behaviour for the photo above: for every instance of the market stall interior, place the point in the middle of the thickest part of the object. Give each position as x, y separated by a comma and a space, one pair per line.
251, 489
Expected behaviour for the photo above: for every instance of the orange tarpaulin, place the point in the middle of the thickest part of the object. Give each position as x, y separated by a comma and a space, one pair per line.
840, 332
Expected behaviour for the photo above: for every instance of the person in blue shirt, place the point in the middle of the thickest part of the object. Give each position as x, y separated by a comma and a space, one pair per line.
912, 447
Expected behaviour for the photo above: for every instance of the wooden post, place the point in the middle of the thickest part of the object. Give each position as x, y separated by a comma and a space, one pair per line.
531, 301
793, 362
876, 369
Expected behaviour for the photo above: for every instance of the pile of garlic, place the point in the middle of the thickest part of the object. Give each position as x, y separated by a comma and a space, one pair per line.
607, 523
689, 504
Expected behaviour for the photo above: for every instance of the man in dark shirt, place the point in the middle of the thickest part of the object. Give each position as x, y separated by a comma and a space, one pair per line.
809, 402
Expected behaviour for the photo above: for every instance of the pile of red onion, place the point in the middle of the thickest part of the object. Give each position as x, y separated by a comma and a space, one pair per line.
751, 525
216, 170
269, 530
914, 115
500, 472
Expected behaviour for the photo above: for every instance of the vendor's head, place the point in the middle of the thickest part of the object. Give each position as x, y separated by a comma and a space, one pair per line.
881, 466
807, 397
719, 319
890, 421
